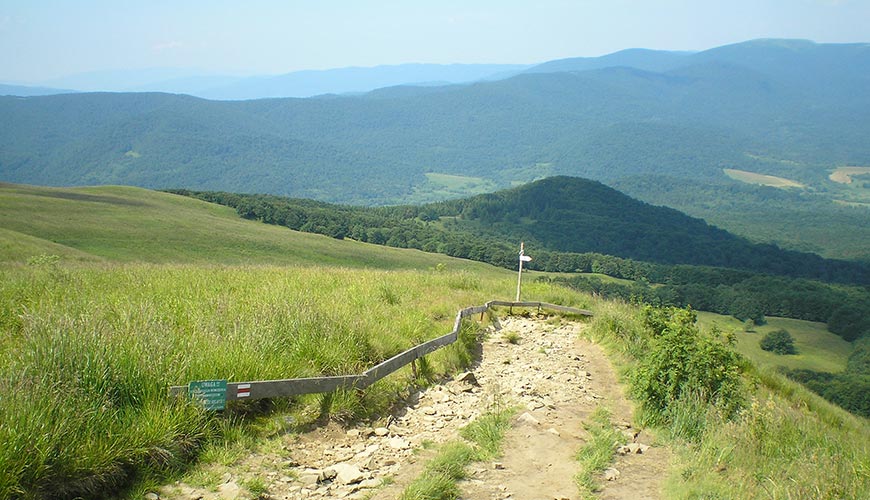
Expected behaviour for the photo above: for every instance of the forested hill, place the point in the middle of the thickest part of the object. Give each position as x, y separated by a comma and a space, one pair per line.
560, 217
793, 109
569, 214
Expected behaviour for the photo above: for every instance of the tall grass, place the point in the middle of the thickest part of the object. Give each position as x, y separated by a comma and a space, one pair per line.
785, 443
87, 354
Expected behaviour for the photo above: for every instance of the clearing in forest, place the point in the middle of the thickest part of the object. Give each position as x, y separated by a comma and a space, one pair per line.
843, 175
761, 179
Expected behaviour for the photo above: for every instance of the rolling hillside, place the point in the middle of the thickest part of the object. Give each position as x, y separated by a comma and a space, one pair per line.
164, 294
656, 124
135, 225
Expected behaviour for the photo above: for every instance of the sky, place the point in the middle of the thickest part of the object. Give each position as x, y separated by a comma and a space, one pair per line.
42, 40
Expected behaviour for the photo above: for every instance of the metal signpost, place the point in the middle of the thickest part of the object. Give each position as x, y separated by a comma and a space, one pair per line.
523, 258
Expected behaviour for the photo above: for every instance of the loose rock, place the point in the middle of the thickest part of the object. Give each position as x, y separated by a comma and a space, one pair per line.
611, 474
346, 473
528, 419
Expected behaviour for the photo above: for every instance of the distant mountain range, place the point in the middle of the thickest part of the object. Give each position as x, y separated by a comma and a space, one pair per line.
26, 91
295, 84
787, 108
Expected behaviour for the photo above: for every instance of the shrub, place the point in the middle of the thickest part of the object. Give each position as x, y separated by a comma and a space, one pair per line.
681, 362
778, 342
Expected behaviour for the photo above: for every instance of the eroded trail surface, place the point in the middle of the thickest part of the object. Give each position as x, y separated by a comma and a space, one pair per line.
541, 366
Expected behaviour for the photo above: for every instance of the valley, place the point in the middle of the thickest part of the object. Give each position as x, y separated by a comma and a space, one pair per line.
761, 179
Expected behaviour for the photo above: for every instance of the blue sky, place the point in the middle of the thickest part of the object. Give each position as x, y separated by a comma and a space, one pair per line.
45, 39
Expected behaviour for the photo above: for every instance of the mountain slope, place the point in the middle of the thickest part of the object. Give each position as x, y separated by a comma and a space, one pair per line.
294, 84
135, 225
28, 91
356, 79
644, 59
605, 123
568, 214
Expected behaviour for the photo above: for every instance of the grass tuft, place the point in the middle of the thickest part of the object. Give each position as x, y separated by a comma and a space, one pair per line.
484, 437
598, 451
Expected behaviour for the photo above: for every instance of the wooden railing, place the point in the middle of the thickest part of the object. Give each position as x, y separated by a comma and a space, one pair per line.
296, 386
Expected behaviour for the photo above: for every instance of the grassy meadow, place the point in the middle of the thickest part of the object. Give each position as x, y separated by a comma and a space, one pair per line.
125, 224
818, 349
110, 295
761, 179
88, 352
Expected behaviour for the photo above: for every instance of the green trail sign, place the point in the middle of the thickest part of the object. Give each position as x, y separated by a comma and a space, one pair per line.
211, 394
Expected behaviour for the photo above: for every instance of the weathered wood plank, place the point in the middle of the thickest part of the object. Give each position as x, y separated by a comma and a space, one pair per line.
389, 366
435, 344
297, 386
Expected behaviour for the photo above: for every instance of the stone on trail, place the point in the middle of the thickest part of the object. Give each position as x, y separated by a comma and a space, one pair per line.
632, 449
346, 473
467, 377
398, 443
381, 431
611, 474
327, 474
229, 491
527, 418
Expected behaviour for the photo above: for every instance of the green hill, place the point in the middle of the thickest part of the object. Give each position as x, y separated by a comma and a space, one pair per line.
568, 214
136, 225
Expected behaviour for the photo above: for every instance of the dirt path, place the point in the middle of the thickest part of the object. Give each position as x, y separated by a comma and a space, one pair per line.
539, 365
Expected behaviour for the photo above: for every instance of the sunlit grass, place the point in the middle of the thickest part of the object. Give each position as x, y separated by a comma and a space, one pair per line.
89, 352
137, 225
597, 453
818, 349
786, 443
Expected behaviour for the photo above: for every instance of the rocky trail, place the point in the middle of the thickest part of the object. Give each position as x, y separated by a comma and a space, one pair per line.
540, 366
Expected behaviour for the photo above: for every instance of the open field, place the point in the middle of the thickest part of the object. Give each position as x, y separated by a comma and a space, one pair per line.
136, 225
843, 175
762, 179
818, 349
440, 186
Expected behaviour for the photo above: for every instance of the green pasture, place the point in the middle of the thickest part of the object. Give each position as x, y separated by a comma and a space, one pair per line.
136, 225
818, 349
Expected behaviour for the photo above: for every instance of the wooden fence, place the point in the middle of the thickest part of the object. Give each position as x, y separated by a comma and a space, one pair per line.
297, 386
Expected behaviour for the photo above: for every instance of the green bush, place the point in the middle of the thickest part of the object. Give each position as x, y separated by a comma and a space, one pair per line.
681, 362
778, 342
